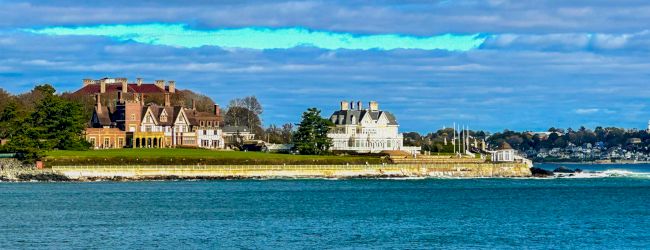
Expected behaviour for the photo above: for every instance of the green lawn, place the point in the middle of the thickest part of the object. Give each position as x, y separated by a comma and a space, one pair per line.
194, 156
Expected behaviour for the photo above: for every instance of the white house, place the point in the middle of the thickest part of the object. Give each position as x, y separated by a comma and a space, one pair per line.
365, 130
503, 153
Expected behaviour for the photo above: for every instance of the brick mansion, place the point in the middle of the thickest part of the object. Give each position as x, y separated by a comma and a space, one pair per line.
132, 123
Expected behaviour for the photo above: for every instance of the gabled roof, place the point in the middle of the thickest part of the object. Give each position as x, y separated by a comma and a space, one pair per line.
504, 146
358, 115
103, 116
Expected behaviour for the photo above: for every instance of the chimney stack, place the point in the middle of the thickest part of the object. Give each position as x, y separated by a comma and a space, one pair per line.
352, 105
374, 106
345, 105
193, 104
87, 82
217, 112
141, 99
359, 105
160, 84
172, 86
139, 80
125, 86
102, 87
119, 97
167, 101
98, 103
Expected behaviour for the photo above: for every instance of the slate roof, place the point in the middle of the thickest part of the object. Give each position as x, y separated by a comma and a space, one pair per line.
104, 116
359, 115
234, 129
504, 146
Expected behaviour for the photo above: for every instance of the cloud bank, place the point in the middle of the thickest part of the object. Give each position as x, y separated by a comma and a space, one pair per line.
179, 35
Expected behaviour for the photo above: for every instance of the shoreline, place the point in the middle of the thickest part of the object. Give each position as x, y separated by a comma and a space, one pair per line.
225, 172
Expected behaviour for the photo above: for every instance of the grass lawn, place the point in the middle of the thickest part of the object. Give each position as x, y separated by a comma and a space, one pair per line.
193, 157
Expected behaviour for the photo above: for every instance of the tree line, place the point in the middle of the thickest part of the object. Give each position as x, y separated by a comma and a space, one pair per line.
554, 138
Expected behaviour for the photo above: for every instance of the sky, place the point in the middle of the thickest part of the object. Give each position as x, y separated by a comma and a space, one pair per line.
492, 65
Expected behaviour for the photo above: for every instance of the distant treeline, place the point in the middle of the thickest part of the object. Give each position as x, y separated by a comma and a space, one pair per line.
555, 138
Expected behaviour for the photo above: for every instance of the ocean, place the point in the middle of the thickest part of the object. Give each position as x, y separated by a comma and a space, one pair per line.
604, 210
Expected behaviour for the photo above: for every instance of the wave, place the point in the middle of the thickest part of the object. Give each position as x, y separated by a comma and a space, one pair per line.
616, 173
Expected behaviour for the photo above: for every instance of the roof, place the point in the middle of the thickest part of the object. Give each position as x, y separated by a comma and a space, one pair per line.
235, 129
358, 115
147, 88
104, 116
504, 146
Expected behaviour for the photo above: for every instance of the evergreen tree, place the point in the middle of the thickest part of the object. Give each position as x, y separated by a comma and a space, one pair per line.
311, 136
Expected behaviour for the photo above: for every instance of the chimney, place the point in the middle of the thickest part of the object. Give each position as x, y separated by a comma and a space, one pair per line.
98, 103
125, 86
359, 105
139, 80
374, 106
345, 105
87, 82
141, 99
217, 112
160, 84
352, 105
119, 97
172, 86
167, 101
193, 104
102, 87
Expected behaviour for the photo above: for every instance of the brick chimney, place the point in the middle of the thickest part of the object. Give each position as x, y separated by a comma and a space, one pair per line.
125, 85
172, 86
120, 98
374, 106
87, 82
98, 103
217, 111
160, 84
102, 87
167, 101
141, 99
193, 104
345, 105
139, 81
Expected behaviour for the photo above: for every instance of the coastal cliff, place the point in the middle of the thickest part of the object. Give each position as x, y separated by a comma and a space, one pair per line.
465, 170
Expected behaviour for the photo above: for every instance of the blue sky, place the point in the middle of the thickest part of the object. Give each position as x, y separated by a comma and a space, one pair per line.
524, 65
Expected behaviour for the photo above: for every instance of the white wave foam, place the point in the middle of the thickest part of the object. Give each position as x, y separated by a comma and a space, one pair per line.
617, 173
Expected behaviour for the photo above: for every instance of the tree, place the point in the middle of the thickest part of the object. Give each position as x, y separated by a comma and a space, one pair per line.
53, 122
311, 136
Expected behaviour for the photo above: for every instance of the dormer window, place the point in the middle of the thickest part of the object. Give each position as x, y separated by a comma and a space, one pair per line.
163, 118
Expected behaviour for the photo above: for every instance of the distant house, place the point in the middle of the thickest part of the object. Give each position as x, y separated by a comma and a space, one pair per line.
365, 130
236, 135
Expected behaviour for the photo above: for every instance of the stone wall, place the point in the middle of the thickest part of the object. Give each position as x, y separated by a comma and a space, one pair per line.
296, 171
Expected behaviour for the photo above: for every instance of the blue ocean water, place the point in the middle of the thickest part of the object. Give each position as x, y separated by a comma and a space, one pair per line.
572, 213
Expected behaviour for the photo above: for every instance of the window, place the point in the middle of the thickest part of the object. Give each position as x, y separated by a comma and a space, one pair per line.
131, 128
120, 142
93, 142
163, 118
205, 132
107, 142
132, 117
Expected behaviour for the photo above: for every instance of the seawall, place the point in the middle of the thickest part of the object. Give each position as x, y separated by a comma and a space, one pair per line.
294, 171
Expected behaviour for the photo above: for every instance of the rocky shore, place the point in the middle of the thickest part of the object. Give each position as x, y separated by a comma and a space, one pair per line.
12, 170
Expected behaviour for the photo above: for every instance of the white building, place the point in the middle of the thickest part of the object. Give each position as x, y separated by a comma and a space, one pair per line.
365, 130
503, 153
